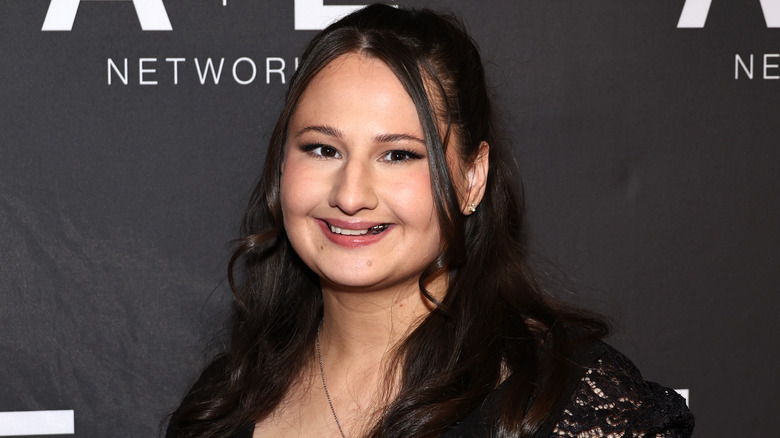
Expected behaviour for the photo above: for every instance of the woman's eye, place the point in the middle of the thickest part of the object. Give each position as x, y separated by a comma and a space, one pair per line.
401, 155
321, 150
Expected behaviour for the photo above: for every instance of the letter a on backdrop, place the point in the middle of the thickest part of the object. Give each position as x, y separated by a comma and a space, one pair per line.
62, 14
694, 13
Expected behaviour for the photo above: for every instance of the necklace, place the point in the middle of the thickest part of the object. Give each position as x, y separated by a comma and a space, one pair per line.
324, 385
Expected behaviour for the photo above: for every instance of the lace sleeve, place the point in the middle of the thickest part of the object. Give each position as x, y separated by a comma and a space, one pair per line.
613, 400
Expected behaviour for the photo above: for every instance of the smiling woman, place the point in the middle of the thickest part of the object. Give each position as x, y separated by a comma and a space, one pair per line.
355, 185
386, 292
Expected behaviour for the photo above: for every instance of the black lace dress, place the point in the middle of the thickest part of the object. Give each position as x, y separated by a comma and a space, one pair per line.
609, 399
612, 400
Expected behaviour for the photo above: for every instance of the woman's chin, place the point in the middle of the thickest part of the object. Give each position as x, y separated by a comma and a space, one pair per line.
364, 282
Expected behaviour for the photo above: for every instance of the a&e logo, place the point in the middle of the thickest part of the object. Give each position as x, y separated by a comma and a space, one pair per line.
309, 14
694, 13
151, 14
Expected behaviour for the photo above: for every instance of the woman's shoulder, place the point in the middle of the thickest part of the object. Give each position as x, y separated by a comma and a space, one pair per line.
613, 398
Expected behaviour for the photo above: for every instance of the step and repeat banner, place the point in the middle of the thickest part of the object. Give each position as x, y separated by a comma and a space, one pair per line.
131, 133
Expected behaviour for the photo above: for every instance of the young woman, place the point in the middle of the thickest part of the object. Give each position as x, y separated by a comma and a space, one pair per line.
384, 288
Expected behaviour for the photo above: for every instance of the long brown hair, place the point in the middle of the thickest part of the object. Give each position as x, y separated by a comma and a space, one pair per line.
494, 319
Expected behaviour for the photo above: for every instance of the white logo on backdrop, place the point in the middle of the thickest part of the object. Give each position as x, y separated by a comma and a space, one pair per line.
686, 395
62, 14
26, 423
769, 66
309, 14
314, 15
694, 13
209, 70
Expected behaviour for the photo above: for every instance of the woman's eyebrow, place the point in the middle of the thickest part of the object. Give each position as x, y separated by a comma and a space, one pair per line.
322, 129
392, 138
380, 138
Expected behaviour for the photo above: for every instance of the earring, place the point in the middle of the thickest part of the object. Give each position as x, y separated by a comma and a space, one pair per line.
471, 208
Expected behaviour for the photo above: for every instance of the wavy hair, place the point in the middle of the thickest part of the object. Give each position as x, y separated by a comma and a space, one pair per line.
494, 320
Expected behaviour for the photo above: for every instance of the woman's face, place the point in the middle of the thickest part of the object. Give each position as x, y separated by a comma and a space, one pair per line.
355, 186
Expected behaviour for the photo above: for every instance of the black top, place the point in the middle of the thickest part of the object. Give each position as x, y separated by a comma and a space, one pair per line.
609, 398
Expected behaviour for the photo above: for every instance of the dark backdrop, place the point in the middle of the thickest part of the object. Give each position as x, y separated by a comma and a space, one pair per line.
650, 164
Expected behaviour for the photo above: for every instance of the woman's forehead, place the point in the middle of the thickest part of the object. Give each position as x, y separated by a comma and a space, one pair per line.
432, 84
355, 92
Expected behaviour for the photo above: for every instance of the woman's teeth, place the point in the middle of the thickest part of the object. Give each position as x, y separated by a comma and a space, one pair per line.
347, 232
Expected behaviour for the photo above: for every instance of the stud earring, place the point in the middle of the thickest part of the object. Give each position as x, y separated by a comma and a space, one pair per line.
471, 208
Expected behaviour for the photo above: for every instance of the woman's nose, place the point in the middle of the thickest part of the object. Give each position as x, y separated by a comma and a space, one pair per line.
353, 188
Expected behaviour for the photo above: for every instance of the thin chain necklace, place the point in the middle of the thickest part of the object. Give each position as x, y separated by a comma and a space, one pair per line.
324, 385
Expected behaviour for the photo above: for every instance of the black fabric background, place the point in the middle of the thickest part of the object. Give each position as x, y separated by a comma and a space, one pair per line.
651, 175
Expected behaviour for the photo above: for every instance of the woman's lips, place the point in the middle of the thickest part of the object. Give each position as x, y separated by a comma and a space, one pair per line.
353, 234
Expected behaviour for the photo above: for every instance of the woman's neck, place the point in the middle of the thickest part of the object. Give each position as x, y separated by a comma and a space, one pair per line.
357, 327
364, 327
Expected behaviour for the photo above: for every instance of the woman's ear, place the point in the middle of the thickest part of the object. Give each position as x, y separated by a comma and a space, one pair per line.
476, 176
